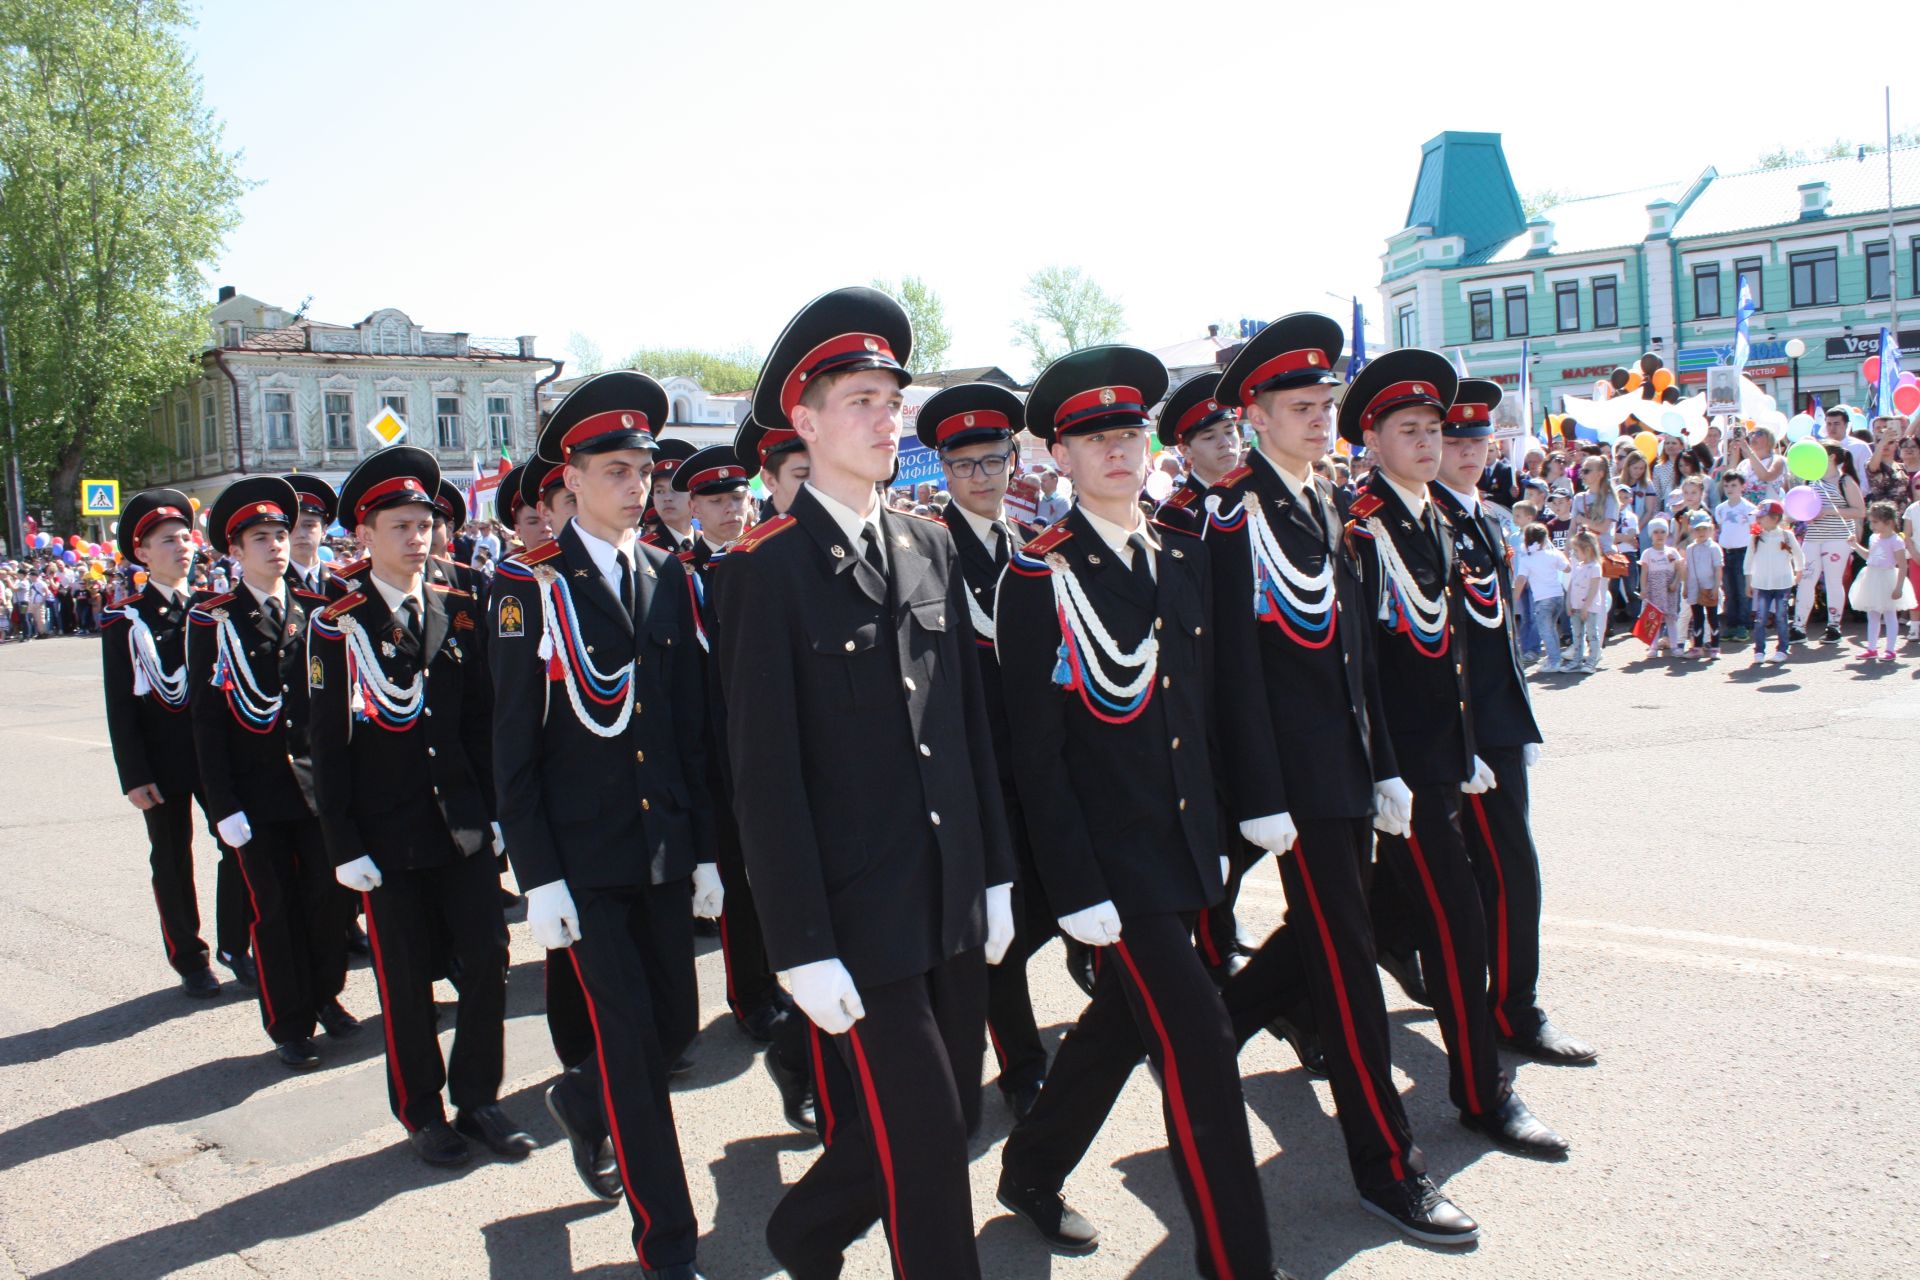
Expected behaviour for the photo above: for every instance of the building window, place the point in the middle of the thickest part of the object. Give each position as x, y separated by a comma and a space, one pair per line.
279, 407
209, 426
1815, 278
1566, 307
339, 410
1606, 303
1706, 291
1516, 313
1406, 327
182, 431
1914, 274
446, 421
1879, 270
1480, 306
396, 402
500, 422
1749, 268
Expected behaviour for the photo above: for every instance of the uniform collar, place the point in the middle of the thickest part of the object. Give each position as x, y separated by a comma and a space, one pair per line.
1415, 499
1116, 537
1297, 487
851, 522
394, 596
604, 554
261, 597
982, 527
1470, 499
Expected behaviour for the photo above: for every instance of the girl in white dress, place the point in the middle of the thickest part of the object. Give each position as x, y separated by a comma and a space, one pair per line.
1881, 590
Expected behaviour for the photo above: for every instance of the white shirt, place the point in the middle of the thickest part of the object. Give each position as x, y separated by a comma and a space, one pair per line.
988, 531
1470, 500
279, 593
167, 593
1296, 485
1416, 500
712, 546
606, 558
853, 524
395, 596
309, 574
1116, 537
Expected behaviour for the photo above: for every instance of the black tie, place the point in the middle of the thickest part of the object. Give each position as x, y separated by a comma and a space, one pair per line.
1000, 544
410, 611
1142, 562
276, 614
626, 582
872, 552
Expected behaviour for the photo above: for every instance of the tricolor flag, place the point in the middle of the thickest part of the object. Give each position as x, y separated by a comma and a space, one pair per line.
1889, 375
1742, 344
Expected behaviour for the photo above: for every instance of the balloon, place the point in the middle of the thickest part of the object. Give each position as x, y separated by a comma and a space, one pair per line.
139, 579
1648, 447
1618, 378
1671, 396
326, 555
1908, 380
1662, 379
1803, 501
194, 503
1870, 369
1650, 363
1799, 426
1672, 422
1808, 460
1906, 399
1769, 402
70, 557
1633, 382
1159, 485
1856, 420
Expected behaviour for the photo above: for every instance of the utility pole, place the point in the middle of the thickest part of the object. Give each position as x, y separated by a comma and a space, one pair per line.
16, 494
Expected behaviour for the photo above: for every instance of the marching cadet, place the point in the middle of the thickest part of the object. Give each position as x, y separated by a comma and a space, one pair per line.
449, 515
971, 427
1498, 831
778, 454
870, 821
1404, 545
1105, 655
1206, 434
514, 512
306, 571
1304, 740
246, 671
599, 755
543, 487
403, 776
143, 657
670, 516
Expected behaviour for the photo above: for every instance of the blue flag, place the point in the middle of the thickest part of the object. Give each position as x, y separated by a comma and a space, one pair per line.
1742, 346
1889, 375
1358, 360
1525, 392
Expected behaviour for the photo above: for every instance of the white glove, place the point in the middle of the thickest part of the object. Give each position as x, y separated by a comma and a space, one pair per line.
1097, 926
707, 893
1275, 833
1392, 807
1482, 779
825, 993
235, 829
999, 921
555, 920
499, 841
1531, 754
1226, 869
361, 875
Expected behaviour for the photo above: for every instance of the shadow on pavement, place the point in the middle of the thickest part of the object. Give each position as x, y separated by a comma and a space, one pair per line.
114, 1022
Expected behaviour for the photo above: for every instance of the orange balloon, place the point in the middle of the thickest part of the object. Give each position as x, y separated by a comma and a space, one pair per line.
1662, 379
1633, 380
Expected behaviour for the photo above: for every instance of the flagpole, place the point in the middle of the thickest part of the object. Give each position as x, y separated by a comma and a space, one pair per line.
1893, 258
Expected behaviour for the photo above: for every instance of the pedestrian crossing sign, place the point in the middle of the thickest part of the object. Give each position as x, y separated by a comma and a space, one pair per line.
99, 497
387, 427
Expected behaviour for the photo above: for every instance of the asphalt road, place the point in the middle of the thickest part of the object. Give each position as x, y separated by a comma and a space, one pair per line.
1732, 916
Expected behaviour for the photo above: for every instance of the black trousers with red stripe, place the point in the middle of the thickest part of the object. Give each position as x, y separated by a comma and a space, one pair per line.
568, 1025
1499, 833
1434, 878
406, 918
1217, 931
1010, 1022
1325, 949
299, 930
894, 1123
1152, 989
634, 960
170, 856
743, 948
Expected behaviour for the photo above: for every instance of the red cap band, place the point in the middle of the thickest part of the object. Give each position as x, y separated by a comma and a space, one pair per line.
1398, 395
846, 349
155, 516
1470, 412
553, 479
774, 440
252, 513
1284, 363
666, 467
714, 475
1202, 414
386, 489
603, 424
1096, 402
975, 420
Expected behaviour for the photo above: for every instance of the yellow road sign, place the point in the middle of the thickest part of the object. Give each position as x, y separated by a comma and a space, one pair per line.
387, 427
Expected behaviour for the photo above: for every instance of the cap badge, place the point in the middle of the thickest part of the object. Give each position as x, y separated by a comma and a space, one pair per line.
626, 420
1313, 357
1212, 405
872, 344
1107, 396
968, 420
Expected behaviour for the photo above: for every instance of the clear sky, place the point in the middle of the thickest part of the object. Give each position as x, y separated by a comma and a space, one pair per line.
688, 174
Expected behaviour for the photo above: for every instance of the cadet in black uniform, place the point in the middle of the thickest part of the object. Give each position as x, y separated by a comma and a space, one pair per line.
865, 787
402, 710
1305, 741
246, 671
1498, 831
1404, 545
777, 453
599, 751
449, 516
670, 518
525, 518
1105, 651
306, 571
971, 427
143, 655
1205, 432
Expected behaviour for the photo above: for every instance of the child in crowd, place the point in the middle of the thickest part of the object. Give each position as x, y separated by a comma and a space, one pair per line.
1735, 517
1524, 514
1705, 565
1661, 574
1586, 601
1537, 570
1881, 590
1559, 517
1774, 562
1693, 501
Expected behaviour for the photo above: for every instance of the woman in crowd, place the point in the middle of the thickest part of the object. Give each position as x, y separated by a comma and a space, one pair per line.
1887, 478
1764, 467
1828, 534
1666, 468
1595, 509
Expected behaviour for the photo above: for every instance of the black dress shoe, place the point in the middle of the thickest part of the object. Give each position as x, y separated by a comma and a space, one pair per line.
1080, 965
602, 1179
508, 899
1220, 973
1058, 1223
796, 1094
297, 1055
490, 1125
1549, 1043
1421, 1210
357, 940
1408, 972
200, 984
1305, 1042
761, 1023
338, 1022
1021, 1097
1514, 1128
244, 971
439, 1145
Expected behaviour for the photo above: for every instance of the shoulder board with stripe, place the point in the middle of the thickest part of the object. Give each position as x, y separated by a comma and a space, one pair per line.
1171, 528
343, 605
351, 567
1364, 505
305, 594
1027, 531
540, 554
684, 557
452, 563
1182, 497
760, 533
650, 540
215, 602
448, 589
1234, 478
1047, 539
123, 601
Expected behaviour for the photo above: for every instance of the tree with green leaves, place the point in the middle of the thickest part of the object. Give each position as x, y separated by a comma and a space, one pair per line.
115, 193
931, 337
717, 371
584, 354
1540, 201
1070, 311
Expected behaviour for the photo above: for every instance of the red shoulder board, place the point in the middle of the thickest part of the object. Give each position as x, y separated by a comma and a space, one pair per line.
1182, 497
305, 594
1049, 538
1235, 476
350, 568
1170, 528
448, 589
650, 540
352, 600
1363, 506
122, 602
215, 602
540, 554
760, 533
449, 560
684, 557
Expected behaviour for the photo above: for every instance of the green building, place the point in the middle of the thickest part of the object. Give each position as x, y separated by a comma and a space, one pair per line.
1591, 284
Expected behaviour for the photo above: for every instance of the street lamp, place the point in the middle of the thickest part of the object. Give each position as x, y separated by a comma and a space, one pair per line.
1795, 349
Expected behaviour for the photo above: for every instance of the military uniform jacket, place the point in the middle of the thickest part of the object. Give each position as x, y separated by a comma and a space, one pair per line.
699, 563
619, 811
152, 741
250, 762
1120, 812
405, 780
1185, 508
333, 583
862, 756
981, 568
1498, 699
1302, 730
1423, 679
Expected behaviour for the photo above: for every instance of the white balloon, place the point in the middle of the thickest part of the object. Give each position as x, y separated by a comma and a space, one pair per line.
1159, 485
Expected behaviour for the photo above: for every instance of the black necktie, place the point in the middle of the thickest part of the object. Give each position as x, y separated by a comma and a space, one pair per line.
276, 614
1142, 563
410, 614
1000, 545
626, 581
871, 553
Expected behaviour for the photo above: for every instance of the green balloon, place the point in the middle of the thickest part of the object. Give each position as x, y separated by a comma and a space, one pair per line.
1807, 460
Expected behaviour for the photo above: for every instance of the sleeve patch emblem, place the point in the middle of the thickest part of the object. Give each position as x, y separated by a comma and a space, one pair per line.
513, 623
316, 674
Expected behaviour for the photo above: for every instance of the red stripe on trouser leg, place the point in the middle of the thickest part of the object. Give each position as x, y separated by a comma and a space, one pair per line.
822, 1099
999, 1054
1347, 1028
1500, 917
726, 965
1461, 1037
386, 1012
1183, 1126
881, 1146
613, 1121
173, 952
253, 938
1208, 951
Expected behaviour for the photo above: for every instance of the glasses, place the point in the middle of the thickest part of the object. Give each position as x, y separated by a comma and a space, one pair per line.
992, 465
